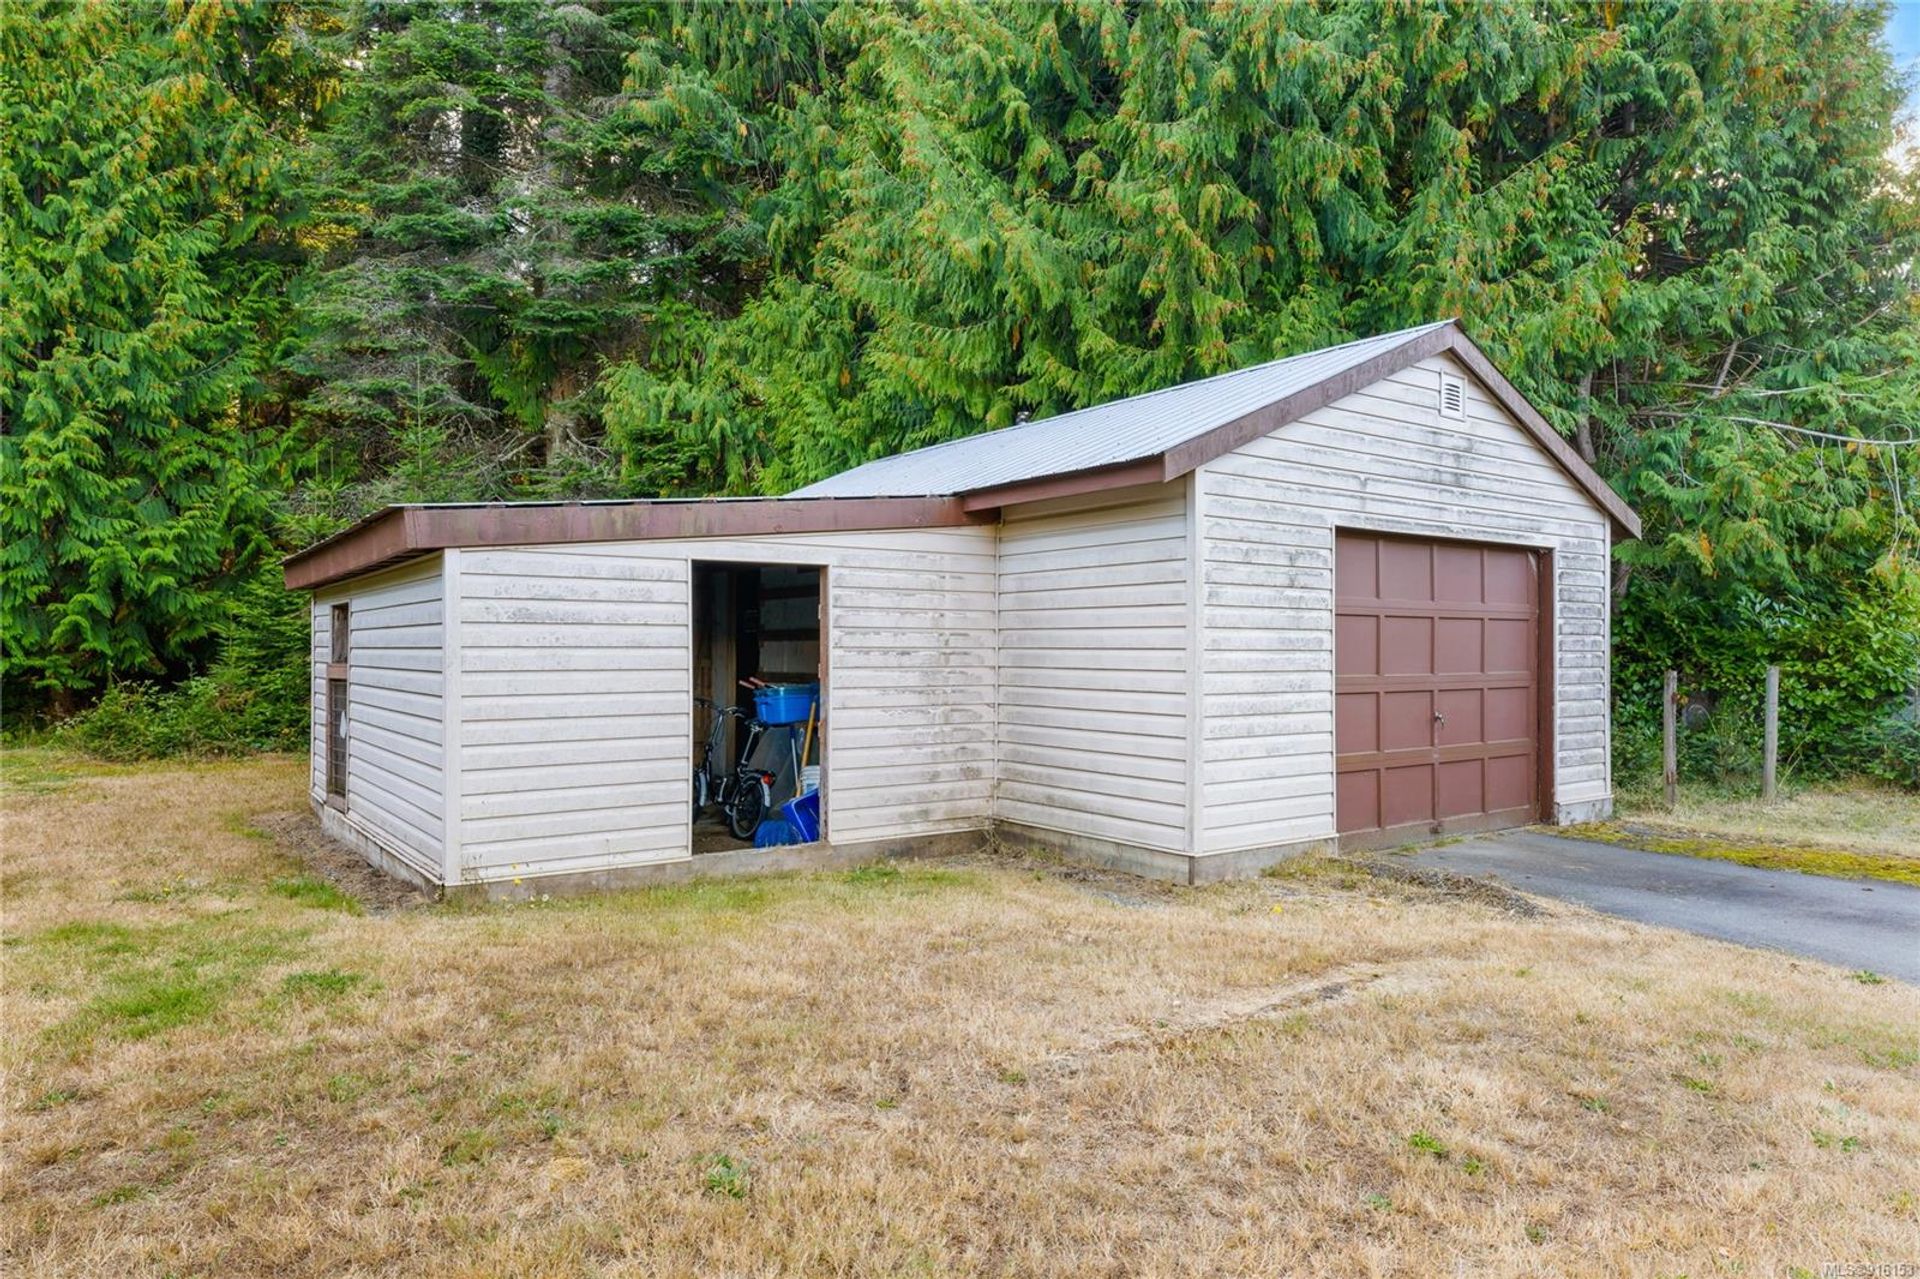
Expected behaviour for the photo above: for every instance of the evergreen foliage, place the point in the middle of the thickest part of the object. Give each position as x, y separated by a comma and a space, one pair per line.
141, 273
499, 222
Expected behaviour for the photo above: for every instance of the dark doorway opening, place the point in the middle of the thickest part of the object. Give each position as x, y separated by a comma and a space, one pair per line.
757, 624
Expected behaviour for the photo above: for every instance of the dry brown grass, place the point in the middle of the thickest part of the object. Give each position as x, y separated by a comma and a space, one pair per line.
999, 1068
1858, 818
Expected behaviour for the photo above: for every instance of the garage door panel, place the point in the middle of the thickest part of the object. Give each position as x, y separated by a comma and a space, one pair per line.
1406, 645
1356, 561
1457, 645
1356, 640
1357, 722
1509, 645
1510, 783
1406, 721
1509, 714
1457, 574
1406, 570
1461, 788
1436, 685
1358, 806
1510, 577
1406, 794
1461, 721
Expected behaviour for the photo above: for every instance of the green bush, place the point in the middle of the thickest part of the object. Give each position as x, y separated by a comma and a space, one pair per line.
254, 697
207, 715
1846, 675
1890, 749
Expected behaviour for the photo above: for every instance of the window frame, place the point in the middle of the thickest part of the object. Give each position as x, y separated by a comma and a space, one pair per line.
337, 703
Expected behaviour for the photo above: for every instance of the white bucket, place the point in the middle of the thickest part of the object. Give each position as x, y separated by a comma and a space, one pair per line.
809, 778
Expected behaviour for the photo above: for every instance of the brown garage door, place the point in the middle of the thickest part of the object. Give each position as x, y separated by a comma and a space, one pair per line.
1436, 680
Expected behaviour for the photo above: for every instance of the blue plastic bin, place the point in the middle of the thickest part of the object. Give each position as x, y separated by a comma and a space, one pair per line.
784, 703
803, 817
772, 833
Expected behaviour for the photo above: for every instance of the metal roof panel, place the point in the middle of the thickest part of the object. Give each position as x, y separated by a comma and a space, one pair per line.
1120, 431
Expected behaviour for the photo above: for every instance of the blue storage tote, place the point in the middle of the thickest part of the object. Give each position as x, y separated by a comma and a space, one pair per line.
784, 703
803, 817
772, 833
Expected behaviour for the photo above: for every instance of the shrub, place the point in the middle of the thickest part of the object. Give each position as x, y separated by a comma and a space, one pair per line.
1846, 674
206, 716
253, 698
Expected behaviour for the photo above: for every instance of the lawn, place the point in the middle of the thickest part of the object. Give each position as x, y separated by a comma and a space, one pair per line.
219, 1062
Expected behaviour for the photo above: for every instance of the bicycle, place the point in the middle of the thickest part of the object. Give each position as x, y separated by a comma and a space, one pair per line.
746, 794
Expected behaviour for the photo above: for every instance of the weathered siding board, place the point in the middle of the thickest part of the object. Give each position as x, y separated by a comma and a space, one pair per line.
396, 725
1094, 694
321, 617
575, 679
1384, 459
571, 660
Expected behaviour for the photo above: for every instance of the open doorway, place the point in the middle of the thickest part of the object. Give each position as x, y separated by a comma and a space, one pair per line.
758, 683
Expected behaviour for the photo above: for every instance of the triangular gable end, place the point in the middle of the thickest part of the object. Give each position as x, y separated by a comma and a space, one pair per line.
1447, 340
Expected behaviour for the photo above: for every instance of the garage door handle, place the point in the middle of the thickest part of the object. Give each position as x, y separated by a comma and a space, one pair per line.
1440, 719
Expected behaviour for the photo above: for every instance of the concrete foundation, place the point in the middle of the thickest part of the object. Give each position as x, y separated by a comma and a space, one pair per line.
1590, 810
1149, 863
721, 865
337, 825
1153, 863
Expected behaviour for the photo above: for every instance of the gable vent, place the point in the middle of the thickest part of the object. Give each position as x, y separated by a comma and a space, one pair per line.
1453, 397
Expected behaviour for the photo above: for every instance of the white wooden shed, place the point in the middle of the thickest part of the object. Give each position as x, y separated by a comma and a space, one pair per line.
1356, 596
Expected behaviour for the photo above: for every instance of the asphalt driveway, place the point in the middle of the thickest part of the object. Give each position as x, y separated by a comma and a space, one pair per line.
1861, 924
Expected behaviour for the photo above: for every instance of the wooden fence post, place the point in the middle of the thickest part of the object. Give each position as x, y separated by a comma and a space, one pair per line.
1769, 790
1669, 739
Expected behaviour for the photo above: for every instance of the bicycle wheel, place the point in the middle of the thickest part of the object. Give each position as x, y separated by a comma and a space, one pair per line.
748, 807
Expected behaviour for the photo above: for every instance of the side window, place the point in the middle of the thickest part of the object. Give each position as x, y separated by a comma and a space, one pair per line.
338, 646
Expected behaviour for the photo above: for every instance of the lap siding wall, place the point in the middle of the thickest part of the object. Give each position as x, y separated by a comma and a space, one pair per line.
395, 774
1094, 699
575, 686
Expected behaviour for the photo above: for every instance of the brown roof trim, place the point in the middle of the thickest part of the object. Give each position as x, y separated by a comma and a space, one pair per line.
1148, 470
1450, 340
403, 532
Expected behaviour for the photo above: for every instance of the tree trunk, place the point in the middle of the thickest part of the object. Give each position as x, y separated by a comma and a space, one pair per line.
561, 425
1583, 425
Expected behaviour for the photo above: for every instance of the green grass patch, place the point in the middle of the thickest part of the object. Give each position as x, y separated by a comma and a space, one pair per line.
1833, 862
471, 1147
909, 879
324, 984
1319, 870
34, 772
97, 938
700, 897
138, 983
149, 1005
38, 768
727, 1176
237, 824
312, 891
